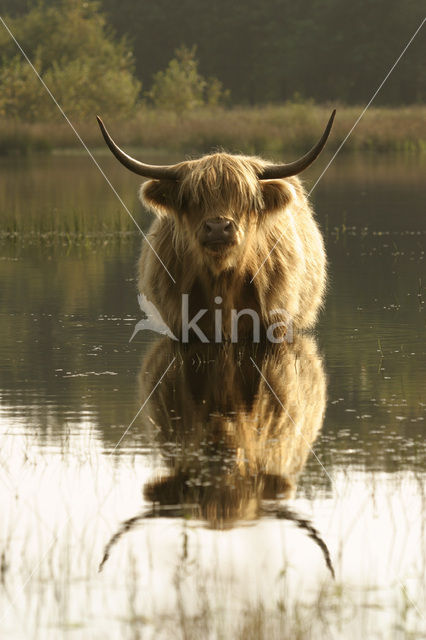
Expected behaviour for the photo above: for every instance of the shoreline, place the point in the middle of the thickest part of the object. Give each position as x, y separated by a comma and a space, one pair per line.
267, 130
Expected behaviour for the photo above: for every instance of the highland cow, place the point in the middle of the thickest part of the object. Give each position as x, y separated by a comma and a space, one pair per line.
237, 235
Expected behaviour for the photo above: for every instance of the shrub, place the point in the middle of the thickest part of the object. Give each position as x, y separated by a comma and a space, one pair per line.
72, 48
181, 87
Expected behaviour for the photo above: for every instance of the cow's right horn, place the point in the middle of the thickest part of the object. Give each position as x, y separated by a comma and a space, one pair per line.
277, 171
166, 172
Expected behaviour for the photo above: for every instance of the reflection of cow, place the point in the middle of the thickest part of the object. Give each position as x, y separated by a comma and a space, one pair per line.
233, 231
236, 427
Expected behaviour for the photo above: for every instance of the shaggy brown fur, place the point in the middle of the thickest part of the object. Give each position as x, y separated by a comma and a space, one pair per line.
229, 442
265, 213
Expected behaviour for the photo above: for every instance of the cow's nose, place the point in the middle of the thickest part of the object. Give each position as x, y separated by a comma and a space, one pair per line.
218, 230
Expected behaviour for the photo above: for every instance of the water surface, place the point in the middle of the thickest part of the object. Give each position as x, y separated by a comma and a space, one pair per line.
220, 508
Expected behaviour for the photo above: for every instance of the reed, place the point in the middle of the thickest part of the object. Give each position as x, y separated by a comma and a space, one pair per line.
274, 130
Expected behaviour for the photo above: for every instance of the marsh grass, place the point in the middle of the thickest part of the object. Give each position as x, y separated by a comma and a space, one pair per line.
65, 238
270, 130
20, 138
67, 232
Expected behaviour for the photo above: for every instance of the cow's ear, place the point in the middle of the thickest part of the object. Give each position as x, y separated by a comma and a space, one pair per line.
161, 196
276, 195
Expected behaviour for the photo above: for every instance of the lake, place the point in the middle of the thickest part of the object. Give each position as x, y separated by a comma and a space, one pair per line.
152, 491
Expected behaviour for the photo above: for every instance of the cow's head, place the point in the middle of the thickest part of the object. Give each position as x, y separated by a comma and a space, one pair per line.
219, 200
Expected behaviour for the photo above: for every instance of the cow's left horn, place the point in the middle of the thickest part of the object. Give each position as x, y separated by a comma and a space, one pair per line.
166, 172
276, 171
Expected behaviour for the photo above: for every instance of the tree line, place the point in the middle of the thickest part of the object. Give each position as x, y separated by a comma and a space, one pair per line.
259, 52
271, 50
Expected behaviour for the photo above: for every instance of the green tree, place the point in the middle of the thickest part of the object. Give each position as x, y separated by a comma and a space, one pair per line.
84, 66
181, 87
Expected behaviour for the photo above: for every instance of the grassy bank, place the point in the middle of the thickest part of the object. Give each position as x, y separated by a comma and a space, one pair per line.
263, 130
